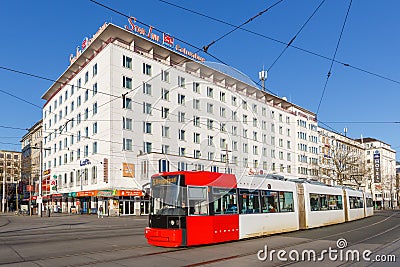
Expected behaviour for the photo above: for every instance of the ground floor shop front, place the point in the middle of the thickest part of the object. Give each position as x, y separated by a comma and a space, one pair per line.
109, 202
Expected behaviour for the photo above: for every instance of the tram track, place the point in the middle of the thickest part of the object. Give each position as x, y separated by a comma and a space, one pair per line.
91, 255
241, 255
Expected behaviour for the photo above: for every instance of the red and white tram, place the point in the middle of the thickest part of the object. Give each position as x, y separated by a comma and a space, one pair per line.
195, 207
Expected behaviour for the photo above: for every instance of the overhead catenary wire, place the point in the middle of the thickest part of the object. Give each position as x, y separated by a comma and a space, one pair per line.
206, 47
345, 64
334, 56
294, 37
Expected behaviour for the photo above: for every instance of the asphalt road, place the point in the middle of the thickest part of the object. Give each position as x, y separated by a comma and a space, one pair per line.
83, 240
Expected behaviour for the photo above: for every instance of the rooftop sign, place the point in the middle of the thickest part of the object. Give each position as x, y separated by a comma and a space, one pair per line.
85, 43
166, 40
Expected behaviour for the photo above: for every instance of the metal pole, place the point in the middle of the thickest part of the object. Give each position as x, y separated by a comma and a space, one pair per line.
16, 195
3, 209
40, 181
30, 194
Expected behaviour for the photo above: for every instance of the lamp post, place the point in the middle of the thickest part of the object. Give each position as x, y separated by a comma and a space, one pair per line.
3, 201
39, 199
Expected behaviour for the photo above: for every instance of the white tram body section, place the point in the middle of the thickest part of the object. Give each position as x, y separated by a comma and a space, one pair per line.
368, 207
355, 204
323, 205
283, 219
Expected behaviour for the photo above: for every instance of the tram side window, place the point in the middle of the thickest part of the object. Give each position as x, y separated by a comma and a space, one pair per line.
269, 201
286, 201
314, 202
356, 202
225, 201
198, 204
249, 201
370, 203
323, 200
335, 202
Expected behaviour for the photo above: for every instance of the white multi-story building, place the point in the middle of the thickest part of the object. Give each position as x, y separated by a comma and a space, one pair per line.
381, 159
129, 106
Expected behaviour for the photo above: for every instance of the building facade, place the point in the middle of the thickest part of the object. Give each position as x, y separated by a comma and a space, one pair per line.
31, 144
128, 107
381, 159
10, 176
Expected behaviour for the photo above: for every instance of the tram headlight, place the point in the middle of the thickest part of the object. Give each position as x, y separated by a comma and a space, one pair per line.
172, 222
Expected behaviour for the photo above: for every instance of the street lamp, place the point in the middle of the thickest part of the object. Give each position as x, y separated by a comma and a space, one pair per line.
39, 198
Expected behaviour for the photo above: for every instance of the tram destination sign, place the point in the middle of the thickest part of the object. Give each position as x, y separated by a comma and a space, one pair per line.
163, 180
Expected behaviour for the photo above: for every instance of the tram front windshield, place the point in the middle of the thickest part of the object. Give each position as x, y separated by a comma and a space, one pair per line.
167, 196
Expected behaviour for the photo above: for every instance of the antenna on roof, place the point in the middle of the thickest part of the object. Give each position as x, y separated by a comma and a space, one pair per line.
262, 75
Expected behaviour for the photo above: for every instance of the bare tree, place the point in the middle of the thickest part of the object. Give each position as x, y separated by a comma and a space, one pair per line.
348, 165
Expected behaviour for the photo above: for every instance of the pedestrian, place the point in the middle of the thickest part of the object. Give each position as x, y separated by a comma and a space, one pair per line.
100, 212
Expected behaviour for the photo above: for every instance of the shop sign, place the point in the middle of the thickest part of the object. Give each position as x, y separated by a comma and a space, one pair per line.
128, 170
72, 194
85, 162
85, 44
167, 40
377, 167
86, 193
46, 172
130, 193
104, 193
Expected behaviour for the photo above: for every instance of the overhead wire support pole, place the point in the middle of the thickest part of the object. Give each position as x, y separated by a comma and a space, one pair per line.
334, 56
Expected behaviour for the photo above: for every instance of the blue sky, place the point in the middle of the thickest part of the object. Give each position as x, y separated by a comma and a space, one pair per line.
38, 37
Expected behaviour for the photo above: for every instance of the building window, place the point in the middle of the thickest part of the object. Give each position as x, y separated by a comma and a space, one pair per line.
163, 165
196, 87
86, 77
72, 106
181, 82
210, 108
196, 121
196, 104
127, 102
78, 118
181, 116
181, 99
147, 147
127, 144
86, 151
165, 76
181, 135
210, 92
95, 128
127, 62
146, 88
126, 123
196, 154
95, 89
146, 108
147, 127
182, 151
222, 96
165, 131
164, 112
94, 148
146, 69
165, 149
210, 124
95, 108
94, 69
126, 82
196, 138
86, 114
164, 94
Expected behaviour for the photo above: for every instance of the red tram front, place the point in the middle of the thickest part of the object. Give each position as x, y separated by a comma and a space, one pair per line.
183, 205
